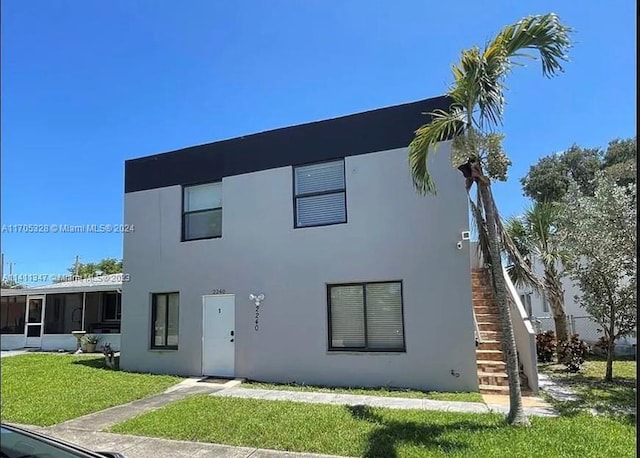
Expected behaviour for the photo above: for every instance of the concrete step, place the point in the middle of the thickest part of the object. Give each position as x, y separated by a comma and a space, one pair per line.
488, 326
493, 389
489, 355
489, 309
488, 317
489, 345
493, 378
491, 366
491, 335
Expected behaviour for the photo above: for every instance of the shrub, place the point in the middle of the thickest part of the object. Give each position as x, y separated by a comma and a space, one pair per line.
546, 346
573, 353
600, 348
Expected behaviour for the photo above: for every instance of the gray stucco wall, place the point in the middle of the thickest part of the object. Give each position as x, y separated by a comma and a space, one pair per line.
391, 234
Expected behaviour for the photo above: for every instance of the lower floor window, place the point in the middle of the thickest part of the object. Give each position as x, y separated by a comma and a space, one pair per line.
164, 317
366, 316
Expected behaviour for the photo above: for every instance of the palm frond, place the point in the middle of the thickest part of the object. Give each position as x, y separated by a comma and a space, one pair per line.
480, 74
543, 33
444, 125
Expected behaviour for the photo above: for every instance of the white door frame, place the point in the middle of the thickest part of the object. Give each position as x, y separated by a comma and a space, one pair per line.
225, 341
34, 342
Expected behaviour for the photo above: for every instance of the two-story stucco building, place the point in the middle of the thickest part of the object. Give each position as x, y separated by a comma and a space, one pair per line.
301, 254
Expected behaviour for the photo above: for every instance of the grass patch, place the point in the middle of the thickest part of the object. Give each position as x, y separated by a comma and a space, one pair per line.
616, 398
377, 432
394, 393
47, 389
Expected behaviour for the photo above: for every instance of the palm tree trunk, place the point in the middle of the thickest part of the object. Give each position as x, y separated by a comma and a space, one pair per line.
516, 412
556, 301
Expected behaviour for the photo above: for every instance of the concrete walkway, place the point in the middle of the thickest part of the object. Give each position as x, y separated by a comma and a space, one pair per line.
534, 407
7, 353
145, 447
556, 391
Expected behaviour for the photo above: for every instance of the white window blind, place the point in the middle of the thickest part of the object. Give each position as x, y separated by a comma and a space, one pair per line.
347, 317
320, 196
202, 217
384, 316
366, 316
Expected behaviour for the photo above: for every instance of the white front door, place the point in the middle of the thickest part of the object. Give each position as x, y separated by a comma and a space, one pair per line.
35, 321
218, 335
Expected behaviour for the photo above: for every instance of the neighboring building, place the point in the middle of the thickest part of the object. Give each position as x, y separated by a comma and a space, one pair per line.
44, 316
579, 320
301, 254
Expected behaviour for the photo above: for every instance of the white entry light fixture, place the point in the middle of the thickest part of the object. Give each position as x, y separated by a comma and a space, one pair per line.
257, 298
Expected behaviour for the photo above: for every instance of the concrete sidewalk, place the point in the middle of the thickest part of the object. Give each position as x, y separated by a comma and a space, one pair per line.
145, 447
532, 406
7, 353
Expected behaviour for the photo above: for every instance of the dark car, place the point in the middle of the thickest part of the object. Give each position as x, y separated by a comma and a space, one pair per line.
17, 442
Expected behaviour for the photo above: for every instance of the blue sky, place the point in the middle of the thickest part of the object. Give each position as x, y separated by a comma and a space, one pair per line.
89, 84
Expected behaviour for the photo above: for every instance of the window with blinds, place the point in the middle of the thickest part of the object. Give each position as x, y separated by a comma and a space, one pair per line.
202, 211
366, 317
319, 194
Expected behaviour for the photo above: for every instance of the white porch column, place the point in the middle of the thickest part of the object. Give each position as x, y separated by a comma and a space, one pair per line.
84, 305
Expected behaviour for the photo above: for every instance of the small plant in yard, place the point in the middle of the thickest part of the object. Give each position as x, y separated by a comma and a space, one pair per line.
91, 339
546, 345
573, 353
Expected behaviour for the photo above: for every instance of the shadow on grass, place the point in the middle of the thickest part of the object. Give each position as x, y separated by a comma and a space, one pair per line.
97, 363
383, 440
615, 399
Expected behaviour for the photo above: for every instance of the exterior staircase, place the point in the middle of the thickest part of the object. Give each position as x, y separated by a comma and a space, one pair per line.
492, 373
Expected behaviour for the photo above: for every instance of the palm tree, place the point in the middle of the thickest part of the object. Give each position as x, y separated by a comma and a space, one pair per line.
537, 238
477, 95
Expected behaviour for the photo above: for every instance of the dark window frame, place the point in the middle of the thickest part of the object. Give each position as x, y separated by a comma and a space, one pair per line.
342, 190
186, 213
118, 306
154, 299
365, 349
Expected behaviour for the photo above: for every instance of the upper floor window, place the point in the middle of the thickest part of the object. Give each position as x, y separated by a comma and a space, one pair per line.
202, 211
320, 196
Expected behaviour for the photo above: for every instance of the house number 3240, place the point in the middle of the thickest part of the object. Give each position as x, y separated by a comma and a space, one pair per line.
218, 291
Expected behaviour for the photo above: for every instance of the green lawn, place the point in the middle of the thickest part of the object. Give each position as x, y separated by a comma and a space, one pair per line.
43, 390
617, 398
399, 393
384, 433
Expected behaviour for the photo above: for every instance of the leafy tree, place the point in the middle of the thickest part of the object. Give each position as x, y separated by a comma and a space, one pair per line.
601, 236
620, 161
477, 93
10, 283
105, 266
548, 179
537, 237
